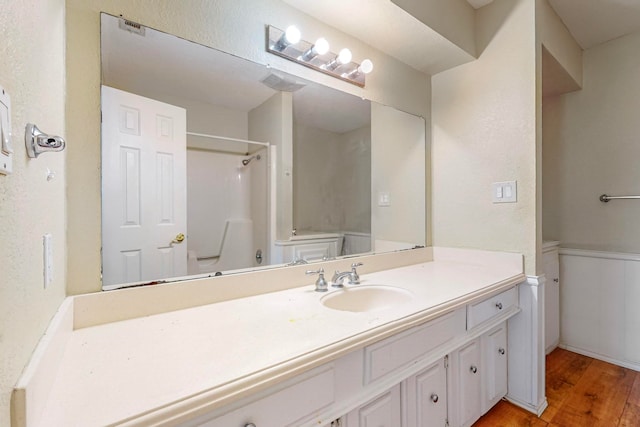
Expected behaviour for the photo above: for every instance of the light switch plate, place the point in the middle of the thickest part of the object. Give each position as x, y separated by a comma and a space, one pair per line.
504, 192
6, 150
384, 198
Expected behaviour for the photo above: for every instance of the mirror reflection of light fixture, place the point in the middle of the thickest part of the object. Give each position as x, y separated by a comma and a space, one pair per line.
288, 44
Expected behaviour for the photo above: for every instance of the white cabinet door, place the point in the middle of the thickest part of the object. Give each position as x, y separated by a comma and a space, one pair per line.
468, 390
494, 348
426, 397
383, 411
551, 269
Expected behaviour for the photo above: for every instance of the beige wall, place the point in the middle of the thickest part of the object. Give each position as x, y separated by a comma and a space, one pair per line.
235, 26
397, 158
484, 131
32, 72
591, 146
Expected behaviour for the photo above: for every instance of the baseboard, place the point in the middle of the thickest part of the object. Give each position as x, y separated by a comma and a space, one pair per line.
622, 363
537, 410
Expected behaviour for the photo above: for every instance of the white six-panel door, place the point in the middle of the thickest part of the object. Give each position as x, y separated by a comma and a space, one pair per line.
143, 188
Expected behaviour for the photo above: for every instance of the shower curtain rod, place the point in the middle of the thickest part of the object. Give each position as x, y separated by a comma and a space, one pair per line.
604, 198
226, 138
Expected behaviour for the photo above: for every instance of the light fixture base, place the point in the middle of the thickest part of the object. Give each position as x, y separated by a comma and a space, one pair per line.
296, 53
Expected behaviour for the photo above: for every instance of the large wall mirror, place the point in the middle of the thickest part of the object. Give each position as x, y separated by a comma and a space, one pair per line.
214, 164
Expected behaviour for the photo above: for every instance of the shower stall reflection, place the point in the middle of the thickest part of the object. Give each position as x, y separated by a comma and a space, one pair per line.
225, 191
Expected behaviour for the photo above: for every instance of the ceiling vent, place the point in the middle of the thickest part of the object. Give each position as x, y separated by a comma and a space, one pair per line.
281, 83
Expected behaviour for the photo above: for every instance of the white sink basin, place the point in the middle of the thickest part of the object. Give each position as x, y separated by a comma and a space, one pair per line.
366, 298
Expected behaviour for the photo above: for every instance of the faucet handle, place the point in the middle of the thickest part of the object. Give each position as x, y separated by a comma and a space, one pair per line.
321, 283
354, 279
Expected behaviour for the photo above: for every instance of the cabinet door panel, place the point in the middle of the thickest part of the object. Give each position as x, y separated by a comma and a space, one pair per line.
427, 397
469, 383
383, 411
495, 372
551, 269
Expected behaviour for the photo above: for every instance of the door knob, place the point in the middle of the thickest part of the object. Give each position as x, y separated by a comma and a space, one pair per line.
178, 239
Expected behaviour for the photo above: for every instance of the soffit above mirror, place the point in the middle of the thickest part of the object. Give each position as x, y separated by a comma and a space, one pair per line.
392, 30
477, 4
592, 22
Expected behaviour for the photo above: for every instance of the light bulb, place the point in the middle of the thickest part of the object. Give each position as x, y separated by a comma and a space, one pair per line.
344, 57
366, 67
322, 46
292, 34
319, 48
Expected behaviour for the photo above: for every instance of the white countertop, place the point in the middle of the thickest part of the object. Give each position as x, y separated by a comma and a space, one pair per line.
151, 367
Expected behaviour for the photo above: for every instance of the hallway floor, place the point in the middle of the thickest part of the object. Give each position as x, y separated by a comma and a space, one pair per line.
581, 392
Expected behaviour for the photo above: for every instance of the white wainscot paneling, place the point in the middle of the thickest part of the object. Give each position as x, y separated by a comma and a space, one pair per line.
600, 305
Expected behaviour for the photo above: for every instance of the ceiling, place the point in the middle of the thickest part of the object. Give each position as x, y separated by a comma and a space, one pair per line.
592, 22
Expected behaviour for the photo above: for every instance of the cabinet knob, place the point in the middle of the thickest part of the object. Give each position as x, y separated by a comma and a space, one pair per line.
434, 398
556, 280
499, 305
473, 369
501, 350
250, 425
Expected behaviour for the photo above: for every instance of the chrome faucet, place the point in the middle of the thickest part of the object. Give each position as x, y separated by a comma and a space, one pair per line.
299, 261
321, 283
338, 277
355, 277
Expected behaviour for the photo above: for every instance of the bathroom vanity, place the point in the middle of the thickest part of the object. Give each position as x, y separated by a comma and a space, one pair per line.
273, 353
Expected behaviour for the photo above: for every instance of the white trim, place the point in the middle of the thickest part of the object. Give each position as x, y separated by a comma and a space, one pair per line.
537, 410
552, 347
600, 254
536, 280
623, 363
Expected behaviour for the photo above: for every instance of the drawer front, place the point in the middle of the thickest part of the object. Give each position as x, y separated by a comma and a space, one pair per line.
285, 407
484, 310
393, 353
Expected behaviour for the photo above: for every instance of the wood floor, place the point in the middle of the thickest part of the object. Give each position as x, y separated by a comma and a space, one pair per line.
581, 392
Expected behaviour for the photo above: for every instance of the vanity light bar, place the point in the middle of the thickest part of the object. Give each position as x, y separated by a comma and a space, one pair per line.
288, 44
